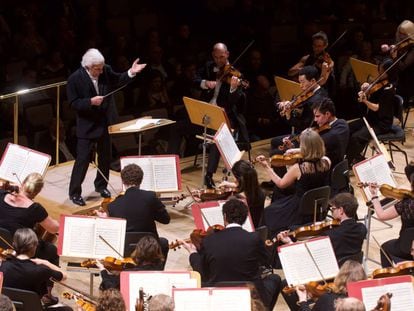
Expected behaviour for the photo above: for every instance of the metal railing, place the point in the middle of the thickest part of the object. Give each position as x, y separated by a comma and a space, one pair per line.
19, 93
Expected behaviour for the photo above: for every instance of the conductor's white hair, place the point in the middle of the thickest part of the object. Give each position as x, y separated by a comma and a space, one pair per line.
92, 57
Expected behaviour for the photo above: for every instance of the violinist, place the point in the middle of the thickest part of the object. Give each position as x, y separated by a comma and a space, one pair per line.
139, 207
18, 210
234, 254
348, 237
404, 38
351, 271
29, 273
349, 303
380, 101
308, 77
319, 58
247, 185
110, 300
309, 173
404, 209
147, 256
222, 88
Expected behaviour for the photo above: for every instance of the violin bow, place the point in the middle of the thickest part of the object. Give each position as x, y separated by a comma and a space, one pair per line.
91, 298
338, 39
7, 243
314, 261
244, 51
383, 252
204, 217
113, 248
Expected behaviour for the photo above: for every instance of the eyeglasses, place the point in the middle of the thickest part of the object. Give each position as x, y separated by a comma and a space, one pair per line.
334, 208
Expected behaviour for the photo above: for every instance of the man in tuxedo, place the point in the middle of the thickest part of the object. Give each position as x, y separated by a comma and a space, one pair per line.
234, 254
86, 91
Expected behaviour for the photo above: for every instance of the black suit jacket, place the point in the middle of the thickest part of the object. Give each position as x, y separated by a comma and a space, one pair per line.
141, 209
347, 238
232, 254
92, 121
336, 141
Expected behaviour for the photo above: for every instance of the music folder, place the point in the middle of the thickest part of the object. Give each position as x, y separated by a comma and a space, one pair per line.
227, 146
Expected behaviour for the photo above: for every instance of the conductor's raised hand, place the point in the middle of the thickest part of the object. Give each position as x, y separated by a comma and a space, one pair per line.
97, 100
135, 68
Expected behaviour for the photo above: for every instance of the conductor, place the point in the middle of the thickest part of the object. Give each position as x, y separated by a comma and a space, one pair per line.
88, 94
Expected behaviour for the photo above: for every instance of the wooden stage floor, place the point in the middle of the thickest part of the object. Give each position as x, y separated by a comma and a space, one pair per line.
55, 198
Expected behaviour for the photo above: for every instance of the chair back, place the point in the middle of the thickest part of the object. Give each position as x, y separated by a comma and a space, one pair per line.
399, 108
406, 239
23, 300
356, 257
6, 235
340, 178
314, 204
131, 240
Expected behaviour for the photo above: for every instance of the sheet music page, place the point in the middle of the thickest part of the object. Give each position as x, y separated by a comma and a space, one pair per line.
298, 266
231, 299
375, 169
227, 145
154, 283
214, 216
165, 174
146, 165
113, 231
401, 300
35, 163
190, 300
78, 237
14, 161
141, 124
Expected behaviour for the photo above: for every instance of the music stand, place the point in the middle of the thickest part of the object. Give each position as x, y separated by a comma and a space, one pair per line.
363, 71
208, 116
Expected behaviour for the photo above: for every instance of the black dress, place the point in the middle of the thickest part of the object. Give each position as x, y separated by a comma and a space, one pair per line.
284, 210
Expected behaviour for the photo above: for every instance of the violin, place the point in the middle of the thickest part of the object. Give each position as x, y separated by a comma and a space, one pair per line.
324, 57
404, 268
86, 305
197, 236
315, 289
282, 160
372, 88
227, 72
391, 192
318, 129
7, 186
7, 253
221, 193
111, 263
383, 303
308, 231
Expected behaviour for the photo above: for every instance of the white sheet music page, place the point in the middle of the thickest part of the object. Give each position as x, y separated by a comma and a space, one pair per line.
374, 169
300, 268
402, 296
227, 146
142, 124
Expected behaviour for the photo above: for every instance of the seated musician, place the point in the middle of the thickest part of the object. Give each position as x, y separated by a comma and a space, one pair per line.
110, 300
18, 210
247, 185
380, 105
348, 237
349, 303
234, 254
147, 256
351, 271
26, 272
139, 207
404, 209
310, 172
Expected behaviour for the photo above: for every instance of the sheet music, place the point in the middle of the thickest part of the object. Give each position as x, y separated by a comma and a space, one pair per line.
298, 266
227, 146
214, 216
374, 169
192, 300
231, 300
142, 123
110, 231
402, 295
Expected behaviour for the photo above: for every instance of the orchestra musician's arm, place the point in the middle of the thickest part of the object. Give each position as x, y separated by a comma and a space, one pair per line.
50, 225
160, 212
363, 98
294, 71
60, 275
387, 214
288, 179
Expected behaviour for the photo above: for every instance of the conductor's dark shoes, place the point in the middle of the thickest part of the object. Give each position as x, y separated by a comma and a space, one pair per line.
104, 193
78, 200
209, 182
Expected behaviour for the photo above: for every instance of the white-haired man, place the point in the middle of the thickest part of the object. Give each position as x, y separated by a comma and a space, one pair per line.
86, 92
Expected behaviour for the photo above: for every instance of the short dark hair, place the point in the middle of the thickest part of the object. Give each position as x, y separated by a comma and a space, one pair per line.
320, 35
235, 211
132, 175
310, 72
324, 106
348, 203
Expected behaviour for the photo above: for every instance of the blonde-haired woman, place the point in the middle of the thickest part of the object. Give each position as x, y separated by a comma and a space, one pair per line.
310, 172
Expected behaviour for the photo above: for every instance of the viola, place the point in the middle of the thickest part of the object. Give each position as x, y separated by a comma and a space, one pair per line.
111, 263
308, 231
7, 186
85, 304
227, 72
282, 160
383, 303
404, 268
